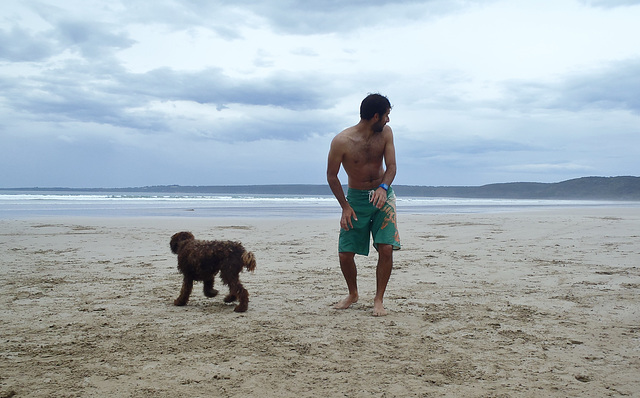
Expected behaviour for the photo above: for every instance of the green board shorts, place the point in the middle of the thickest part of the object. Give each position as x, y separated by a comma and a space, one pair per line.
381, 223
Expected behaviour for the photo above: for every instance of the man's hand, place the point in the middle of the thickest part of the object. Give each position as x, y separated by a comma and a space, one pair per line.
379, 197
347, 215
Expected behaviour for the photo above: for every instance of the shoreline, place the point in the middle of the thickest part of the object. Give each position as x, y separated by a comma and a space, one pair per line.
263, 206
527, 303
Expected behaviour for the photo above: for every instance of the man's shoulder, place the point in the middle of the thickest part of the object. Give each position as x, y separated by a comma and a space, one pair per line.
349, 131
344, 135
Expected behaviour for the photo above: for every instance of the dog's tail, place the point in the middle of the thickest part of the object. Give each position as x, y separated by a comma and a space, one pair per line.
249, 260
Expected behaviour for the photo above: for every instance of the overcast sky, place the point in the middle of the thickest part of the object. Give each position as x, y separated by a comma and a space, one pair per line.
205, 92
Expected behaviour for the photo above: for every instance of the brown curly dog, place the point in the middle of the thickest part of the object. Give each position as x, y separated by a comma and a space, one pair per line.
200, 260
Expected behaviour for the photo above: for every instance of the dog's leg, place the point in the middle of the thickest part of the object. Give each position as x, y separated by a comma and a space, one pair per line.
187, 286
243, 300
237, 291
208, 289
230, 281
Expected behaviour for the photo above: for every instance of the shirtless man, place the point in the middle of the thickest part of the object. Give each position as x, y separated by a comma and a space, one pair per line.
369, 207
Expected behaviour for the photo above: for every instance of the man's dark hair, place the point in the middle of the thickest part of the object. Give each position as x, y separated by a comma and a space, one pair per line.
372, 104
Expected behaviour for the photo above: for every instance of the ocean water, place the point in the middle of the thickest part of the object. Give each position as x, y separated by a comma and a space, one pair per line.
27, 204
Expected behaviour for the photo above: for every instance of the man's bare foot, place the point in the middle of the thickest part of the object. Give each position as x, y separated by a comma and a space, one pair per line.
378, 309
346, 302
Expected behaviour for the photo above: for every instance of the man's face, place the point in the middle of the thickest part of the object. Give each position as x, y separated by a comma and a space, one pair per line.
382, 121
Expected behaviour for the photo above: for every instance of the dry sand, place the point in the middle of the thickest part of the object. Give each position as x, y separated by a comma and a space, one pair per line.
538, 304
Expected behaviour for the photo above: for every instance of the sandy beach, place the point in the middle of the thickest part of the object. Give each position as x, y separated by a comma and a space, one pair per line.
522, 304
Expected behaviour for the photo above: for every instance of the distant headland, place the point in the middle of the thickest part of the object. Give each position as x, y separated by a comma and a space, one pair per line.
585, 188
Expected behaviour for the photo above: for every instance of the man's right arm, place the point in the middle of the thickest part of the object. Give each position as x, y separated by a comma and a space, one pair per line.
333, 167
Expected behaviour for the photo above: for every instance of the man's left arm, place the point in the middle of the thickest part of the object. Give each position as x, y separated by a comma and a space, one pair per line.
380, 197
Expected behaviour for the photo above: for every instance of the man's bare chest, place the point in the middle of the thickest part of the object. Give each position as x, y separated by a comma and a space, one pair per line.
365, 152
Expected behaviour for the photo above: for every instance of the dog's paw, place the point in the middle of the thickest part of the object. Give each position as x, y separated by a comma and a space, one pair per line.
179, 303
240, 308
211, 293
230, 298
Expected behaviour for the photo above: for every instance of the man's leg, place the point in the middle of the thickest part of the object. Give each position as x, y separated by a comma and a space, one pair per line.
383, 273
350, 273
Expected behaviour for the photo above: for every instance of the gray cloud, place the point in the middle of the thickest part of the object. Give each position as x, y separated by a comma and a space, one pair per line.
109, 97
211, 86
462, 151
300, 17
613, 87
85, 32
217, 16
288, 16
610, 3
306, 17
91, 38
95, 88
20, 45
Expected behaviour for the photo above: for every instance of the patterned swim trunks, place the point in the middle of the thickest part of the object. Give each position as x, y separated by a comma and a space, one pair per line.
381, 224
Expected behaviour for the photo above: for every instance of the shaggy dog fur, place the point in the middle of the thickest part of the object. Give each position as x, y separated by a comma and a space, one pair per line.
200, 260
